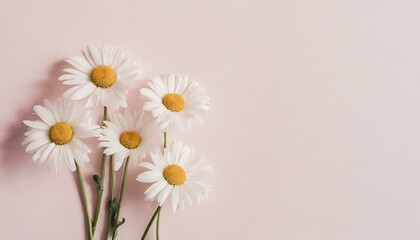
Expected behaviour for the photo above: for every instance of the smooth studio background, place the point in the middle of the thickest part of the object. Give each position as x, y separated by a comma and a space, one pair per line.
314, 128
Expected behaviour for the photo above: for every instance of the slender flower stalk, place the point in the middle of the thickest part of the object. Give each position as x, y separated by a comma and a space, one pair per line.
164, 140
100, 182
118, 223
85, 202
112, 177
157, 224
111, 202
150, 222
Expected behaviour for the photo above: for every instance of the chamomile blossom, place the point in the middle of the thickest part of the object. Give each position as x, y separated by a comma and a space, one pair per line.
129, 135
176, 173
103, 74
173, 99
55, 138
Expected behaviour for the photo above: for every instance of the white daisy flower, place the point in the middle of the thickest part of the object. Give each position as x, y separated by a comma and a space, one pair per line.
173, 99
129, 135
178, 173
103, 74
56, 138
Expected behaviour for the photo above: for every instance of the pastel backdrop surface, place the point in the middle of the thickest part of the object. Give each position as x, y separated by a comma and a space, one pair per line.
313, 132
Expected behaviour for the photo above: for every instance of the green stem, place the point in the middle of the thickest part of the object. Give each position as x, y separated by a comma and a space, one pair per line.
157, 225
112, 190
105, 113
100, 193
164, 140
114, 233
150, 222
112, 173
85, 202
100, 188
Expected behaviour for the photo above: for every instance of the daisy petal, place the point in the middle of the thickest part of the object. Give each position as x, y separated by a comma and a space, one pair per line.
164, 194
45, 115
175, 198
153, 190
149, 176
80, 63
36, 144
84, 91
36, 124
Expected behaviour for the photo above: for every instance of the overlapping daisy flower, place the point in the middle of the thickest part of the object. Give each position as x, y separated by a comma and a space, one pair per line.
176, 172
129, 135
173, 99
55, 138
103, 74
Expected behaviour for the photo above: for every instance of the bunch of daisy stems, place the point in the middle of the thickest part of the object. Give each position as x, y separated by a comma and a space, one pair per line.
103, 74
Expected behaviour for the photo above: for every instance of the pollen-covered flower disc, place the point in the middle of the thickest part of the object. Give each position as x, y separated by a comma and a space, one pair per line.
176, 173
129, 135
102, 74
56, 137
173, 99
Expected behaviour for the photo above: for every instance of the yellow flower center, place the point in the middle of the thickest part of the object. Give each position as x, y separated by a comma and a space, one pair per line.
130, 139
103, 76
173, 102
174, 174
61, 133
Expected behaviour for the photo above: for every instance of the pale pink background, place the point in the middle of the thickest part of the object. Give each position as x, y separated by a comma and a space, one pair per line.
314, 128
